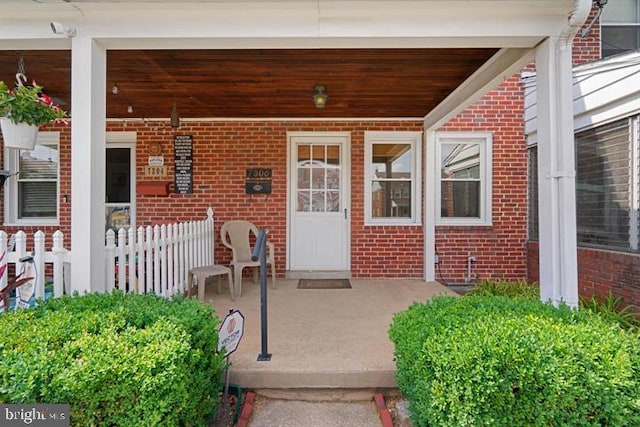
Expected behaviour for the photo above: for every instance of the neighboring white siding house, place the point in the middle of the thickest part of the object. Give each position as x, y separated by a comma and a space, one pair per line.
603, 91
606, 111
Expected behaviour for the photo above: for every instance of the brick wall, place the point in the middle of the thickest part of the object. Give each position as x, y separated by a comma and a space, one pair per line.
222, 153
600, 272
587, 49
499, 249
223, 150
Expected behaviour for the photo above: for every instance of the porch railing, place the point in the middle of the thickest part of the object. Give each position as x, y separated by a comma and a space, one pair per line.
147, 259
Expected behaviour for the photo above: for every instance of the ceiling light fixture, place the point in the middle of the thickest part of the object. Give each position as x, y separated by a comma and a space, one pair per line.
115, 89
320, 98
175, 117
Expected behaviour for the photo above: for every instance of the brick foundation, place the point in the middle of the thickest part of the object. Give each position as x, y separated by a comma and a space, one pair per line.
600, 272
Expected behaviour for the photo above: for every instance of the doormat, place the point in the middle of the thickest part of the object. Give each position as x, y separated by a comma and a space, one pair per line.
324, 284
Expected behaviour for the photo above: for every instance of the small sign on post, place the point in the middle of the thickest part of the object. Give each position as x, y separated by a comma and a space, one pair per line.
229, 336
230, 333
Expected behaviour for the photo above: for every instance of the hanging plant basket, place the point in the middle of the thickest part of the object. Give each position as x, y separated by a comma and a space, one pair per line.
18, 135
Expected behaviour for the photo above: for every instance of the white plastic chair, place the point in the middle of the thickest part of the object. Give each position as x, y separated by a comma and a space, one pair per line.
236, 235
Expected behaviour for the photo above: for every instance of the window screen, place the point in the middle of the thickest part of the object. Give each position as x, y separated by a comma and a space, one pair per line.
37, 182
620, 27
602, 185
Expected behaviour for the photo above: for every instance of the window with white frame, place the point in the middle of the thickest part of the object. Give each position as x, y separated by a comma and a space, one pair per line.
620, 27
463, 181
31, 197
392, 177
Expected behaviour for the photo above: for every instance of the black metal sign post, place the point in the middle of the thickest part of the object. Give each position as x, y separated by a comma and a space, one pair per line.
260, 252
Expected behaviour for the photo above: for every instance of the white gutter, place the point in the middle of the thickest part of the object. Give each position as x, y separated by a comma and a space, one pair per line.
576, 20
556, 168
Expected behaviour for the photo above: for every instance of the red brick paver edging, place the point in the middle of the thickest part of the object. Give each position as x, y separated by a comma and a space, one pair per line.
383, 412
247, 408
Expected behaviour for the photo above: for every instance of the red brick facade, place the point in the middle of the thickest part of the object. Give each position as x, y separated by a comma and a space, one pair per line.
499, 249
222, 151
600, 272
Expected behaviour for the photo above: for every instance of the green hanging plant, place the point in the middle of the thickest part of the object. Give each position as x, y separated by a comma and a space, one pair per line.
29, 104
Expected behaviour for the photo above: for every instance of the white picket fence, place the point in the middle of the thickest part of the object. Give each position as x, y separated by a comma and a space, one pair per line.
162, 256
57, 257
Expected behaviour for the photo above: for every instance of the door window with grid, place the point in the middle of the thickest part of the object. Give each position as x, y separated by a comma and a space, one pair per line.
318, 173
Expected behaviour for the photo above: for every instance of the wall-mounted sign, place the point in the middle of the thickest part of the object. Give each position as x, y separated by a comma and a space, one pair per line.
155, 149
258, 181
258, 173
258, 187
155, 170
155, 161
183, 158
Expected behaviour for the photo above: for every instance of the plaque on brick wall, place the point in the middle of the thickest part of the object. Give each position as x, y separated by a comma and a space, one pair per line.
258, 181
183, 164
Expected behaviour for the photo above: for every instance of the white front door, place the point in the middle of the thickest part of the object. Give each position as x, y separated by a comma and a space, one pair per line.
318, 202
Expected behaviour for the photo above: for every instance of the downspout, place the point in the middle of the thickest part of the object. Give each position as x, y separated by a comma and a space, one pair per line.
577, 18
560, 282
567, 184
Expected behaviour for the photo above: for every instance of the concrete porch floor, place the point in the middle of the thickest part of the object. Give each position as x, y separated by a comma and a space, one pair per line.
320, 338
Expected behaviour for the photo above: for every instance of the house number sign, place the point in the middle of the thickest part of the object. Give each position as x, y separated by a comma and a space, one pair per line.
183, 174
258, 181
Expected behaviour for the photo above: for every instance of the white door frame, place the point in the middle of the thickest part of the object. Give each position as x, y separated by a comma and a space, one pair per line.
126, 140
346, 180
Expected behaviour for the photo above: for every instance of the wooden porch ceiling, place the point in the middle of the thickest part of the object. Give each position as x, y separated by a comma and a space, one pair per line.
257, 83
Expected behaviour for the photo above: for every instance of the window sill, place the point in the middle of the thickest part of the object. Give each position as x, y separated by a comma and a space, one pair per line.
464, 223
33, 223
392, 223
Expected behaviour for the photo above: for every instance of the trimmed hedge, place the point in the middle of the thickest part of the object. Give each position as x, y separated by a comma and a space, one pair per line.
519, 288
117, 359
498, 361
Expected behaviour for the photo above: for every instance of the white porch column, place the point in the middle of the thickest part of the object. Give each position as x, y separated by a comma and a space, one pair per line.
88, 112
431, 167
556, 173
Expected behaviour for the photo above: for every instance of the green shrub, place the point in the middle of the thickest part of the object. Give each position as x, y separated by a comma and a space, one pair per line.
498, 361
117, 359
612, 308
519, 288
